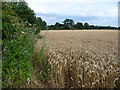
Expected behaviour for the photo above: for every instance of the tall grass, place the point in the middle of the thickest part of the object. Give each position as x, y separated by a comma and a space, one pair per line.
41, 58
17, 56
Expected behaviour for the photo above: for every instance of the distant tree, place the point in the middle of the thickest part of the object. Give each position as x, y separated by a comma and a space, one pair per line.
57, 24
78, 25
69, 23
44, 25
92, 27
51, 27
86, 25
40, 24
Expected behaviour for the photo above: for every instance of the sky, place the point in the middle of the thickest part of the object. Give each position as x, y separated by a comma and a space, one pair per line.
95, 12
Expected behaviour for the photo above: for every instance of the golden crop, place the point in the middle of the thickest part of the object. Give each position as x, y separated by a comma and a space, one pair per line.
83, 59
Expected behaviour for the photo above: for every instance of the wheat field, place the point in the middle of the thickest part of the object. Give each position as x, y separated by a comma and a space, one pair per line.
82, 58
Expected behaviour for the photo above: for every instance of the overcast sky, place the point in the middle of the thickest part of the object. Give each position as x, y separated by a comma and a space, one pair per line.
97, 12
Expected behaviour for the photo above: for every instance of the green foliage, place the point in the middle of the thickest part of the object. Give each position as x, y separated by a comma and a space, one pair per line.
40, 24
15, 12
17, 56
78, 25
9, 18
39, 36
0, 41
69, 23
20, 28
18, 47
57, 24
24, 12
44, 69
86, 25
8, 14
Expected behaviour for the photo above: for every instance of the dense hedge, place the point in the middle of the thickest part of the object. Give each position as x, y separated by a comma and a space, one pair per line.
17, 47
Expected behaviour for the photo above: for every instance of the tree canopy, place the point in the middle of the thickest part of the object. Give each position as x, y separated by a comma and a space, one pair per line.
79, 25
24, 12
17, 12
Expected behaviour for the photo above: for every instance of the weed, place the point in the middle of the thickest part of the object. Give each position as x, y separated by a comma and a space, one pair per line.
40, 36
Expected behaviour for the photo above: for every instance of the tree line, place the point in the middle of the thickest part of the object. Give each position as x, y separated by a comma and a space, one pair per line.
69, 24
21, 12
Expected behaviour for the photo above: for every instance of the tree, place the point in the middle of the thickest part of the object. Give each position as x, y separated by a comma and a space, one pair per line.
86, 24
57, 24
92, 27
79, 25
40, 24
44, 25
69, 23
51, 27
24, 12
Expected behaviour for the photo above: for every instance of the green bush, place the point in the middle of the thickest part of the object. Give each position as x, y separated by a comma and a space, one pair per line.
17, 56
17, 45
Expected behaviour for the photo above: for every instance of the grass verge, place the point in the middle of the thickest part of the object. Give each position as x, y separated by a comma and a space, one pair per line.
17, 57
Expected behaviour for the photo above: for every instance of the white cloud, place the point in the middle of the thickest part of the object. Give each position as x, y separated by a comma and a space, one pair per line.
95, 8
44, 1
75, 7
